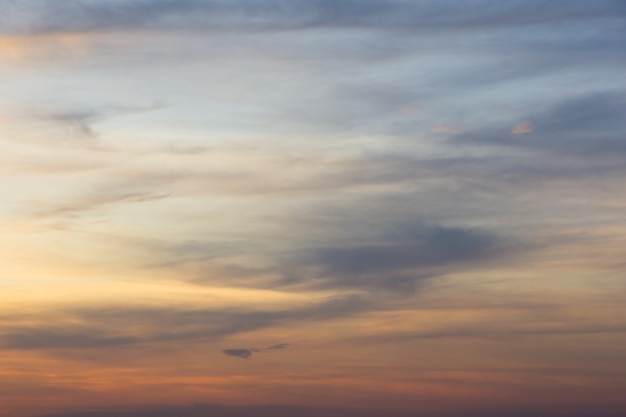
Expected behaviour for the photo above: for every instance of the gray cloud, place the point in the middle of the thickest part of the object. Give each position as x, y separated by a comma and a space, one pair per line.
98, 200
589, 125
202, 410
420, 247
502, 331
239, 353
61, 338
79, 121
206, 410
121, 326
83, 15
278, 346
247, 353
396, 256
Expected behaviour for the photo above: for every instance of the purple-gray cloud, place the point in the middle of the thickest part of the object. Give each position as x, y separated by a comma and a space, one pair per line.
247, 353
201, 410
33, 16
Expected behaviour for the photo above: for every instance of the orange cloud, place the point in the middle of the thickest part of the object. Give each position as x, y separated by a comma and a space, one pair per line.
444, 129
23, 49
413, 111
523, 128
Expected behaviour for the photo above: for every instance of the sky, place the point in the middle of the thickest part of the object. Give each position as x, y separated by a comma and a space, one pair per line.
306, 208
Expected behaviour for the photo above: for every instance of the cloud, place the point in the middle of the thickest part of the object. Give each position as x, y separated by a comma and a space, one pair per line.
523, 128
205, 410
498, 331
79, 121
444, 129
399, 258
239, 353
74, 337
115, 326
347, 177
98, 200
278, 346
82, 15
247, 353
587, 125
418, 247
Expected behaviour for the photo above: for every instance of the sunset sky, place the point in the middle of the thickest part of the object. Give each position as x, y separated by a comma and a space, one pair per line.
313, 208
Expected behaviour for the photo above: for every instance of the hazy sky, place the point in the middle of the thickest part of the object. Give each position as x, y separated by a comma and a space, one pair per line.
307, 208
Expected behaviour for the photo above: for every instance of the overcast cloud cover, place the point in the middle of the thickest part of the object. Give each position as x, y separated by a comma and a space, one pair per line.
384, 207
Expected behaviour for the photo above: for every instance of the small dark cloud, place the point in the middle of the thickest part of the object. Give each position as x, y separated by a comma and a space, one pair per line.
278, 346
239, 353
247, 353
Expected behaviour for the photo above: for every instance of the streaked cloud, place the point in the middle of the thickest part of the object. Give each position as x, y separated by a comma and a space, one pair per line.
116, 326
201, 410
79, 121
39, 16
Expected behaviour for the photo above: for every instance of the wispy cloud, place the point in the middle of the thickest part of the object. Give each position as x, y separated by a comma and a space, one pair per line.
79, 121
116, 326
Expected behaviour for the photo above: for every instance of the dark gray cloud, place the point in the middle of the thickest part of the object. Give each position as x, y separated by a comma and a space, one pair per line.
239, 353
61, 338
588, 125
398, 256
419, 247
201, 410
83, 15
247, 353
